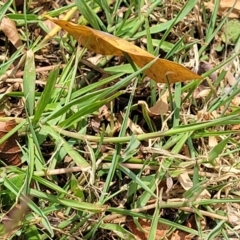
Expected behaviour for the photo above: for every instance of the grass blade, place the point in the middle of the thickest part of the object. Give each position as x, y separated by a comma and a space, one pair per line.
46, 95
29, 78
5, 7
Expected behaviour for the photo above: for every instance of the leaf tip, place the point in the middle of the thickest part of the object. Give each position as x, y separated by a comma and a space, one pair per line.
47, 16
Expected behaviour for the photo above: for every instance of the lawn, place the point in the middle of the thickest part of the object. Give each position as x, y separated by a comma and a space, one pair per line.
121, 121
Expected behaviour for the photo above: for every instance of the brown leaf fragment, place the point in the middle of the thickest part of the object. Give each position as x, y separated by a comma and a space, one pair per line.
12, 220
146, 225
236, 101
96, 123
51, 25
159, 108
225, 6
236, 127
9, 28
10, 152
205, 116
161, 232
201, 92
229, 77
212, 141
180, 235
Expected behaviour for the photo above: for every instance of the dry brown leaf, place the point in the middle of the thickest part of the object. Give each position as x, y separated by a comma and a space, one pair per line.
180, 235
95, 60
225, 6
229, 77
212, 141
10, 152
205, 116
235, 127
95, 123
9, 28
186, 151
159, 108
201, 92
49, 24
236, 101
107, 44
146, 224
169, 183
12, 221
161, 232
185, 181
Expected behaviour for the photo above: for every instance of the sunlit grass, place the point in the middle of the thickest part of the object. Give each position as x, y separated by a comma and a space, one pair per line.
85, 175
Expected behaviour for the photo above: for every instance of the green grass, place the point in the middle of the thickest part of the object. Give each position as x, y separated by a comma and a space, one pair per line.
85, 173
